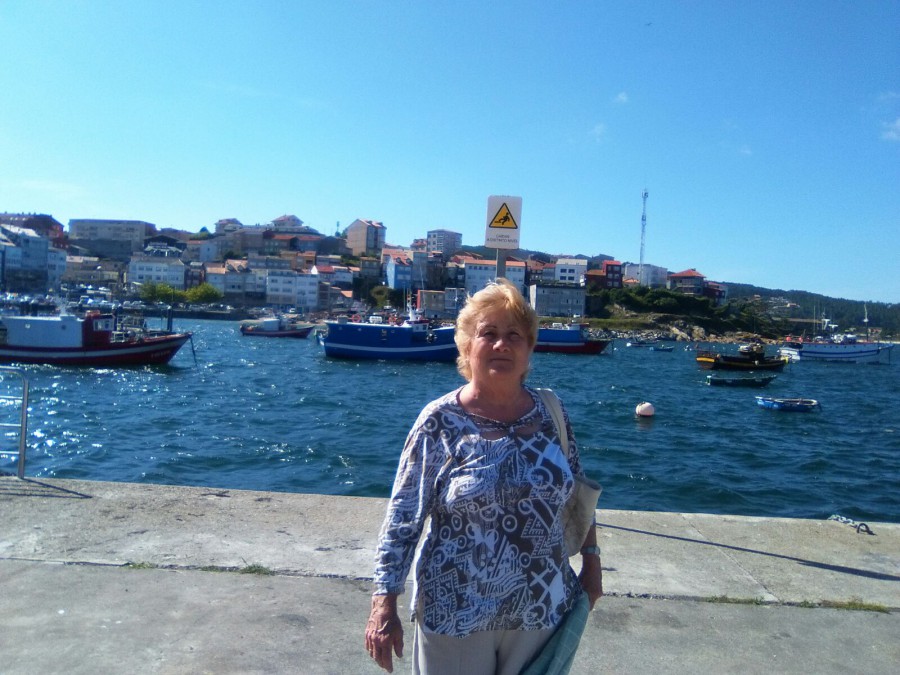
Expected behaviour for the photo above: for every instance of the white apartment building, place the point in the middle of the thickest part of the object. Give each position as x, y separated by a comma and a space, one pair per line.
156, 270
288, 288
281, 287
306, 299
654, 276
480, 272
570, 271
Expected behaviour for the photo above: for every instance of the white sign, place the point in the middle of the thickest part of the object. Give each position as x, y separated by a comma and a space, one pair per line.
504, 219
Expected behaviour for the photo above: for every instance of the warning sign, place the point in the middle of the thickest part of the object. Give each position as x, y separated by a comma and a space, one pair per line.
503, 217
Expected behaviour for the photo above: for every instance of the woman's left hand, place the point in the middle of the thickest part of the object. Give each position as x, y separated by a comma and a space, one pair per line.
591, 577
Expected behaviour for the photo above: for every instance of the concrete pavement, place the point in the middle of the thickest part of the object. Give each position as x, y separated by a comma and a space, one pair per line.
109, 577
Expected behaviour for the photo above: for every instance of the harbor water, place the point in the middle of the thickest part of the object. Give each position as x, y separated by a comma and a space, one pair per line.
275, 414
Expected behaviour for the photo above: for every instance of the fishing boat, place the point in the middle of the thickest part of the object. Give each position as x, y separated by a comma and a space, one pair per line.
659, 347
749, 357
415, 339
281, 327
787, 404
738, 381
835, 347
573, 338
847, 348
95, 339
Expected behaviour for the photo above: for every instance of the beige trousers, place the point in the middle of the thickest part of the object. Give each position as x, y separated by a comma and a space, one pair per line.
492, 652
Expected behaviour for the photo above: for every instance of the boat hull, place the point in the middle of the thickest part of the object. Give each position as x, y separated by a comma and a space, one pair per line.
155, 350
299, 333
857, 352
787, 404
571, 339
739, 381
388, 342
712, 361
586, 347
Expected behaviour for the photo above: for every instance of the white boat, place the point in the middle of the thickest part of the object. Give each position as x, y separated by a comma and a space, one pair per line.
839, 348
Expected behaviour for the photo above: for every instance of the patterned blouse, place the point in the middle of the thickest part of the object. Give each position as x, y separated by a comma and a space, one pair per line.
493, 555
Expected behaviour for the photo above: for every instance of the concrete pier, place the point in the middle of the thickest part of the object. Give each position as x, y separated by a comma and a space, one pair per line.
100, 577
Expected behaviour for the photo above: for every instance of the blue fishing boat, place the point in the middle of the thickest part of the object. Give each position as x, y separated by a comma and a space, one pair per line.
787, 404
415, 339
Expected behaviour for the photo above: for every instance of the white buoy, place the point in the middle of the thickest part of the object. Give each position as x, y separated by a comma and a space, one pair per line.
645, 410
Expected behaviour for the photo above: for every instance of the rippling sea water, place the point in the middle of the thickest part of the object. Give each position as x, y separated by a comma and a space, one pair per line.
275, 414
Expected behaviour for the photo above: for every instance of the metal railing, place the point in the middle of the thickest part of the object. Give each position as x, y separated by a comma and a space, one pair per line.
9, 399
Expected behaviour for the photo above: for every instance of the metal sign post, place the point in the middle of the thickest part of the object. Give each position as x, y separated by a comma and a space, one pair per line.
504, 215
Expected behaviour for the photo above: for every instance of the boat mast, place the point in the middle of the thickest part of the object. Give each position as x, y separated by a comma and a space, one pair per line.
644, 196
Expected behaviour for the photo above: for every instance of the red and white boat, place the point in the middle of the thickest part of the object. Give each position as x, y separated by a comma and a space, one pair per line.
93, 340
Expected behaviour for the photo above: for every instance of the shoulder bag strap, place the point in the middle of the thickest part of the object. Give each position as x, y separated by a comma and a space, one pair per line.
551, 402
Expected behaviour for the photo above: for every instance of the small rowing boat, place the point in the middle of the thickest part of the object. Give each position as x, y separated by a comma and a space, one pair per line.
787, 404
759, 381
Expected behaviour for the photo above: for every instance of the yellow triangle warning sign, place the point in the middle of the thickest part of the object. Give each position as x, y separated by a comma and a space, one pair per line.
504, 219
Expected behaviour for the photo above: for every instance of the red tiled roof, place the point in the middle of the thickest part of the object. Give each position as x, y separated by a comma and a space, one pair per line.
688, 273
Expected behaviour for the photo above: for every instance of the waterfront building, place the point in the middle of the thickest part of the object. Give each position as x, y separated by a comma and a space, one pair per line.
25, 260
689, 282
479, 272
398, 272
230, 279
608, 276
654, 275
370, 268
146, 269
444, 242
42, 224
570, 270
557, 299
365, 237
228, 225
716, 292
281, 287
100, 235
96, 272
288, 223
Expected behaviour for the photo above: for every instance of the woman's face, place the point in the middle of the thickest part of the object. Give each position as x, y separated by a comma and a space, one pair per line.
499, 348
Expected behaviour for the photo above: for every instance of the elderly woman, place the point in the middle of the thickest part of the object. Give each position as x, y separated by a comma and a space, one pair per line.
485, 463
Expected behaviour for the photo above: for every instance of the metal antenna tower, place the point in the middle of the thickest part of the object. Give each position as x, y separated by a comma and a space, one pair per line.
644, 196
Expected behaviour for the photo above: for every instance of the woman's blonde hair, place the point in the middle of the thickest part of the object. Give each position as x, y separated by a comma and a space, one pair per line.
500, 294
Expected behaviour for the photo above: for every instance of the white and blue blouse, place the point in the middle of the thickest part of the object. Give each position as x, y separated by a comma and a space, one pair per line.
488, 496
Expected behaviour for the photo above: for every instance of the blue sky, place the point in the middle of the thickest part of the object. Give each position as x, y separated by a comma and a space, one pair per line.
767, 133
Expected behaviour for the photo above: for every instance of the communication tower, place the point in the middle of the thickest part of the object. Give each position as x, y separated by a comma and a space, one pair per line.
644, 196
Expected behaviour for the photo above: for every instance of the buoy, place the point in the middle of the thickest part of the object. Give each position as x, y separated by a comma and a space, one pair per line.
645, 410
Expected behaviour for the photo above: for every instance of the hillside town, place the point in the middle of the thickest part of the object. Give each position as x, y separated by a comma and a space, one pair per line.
285, 264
